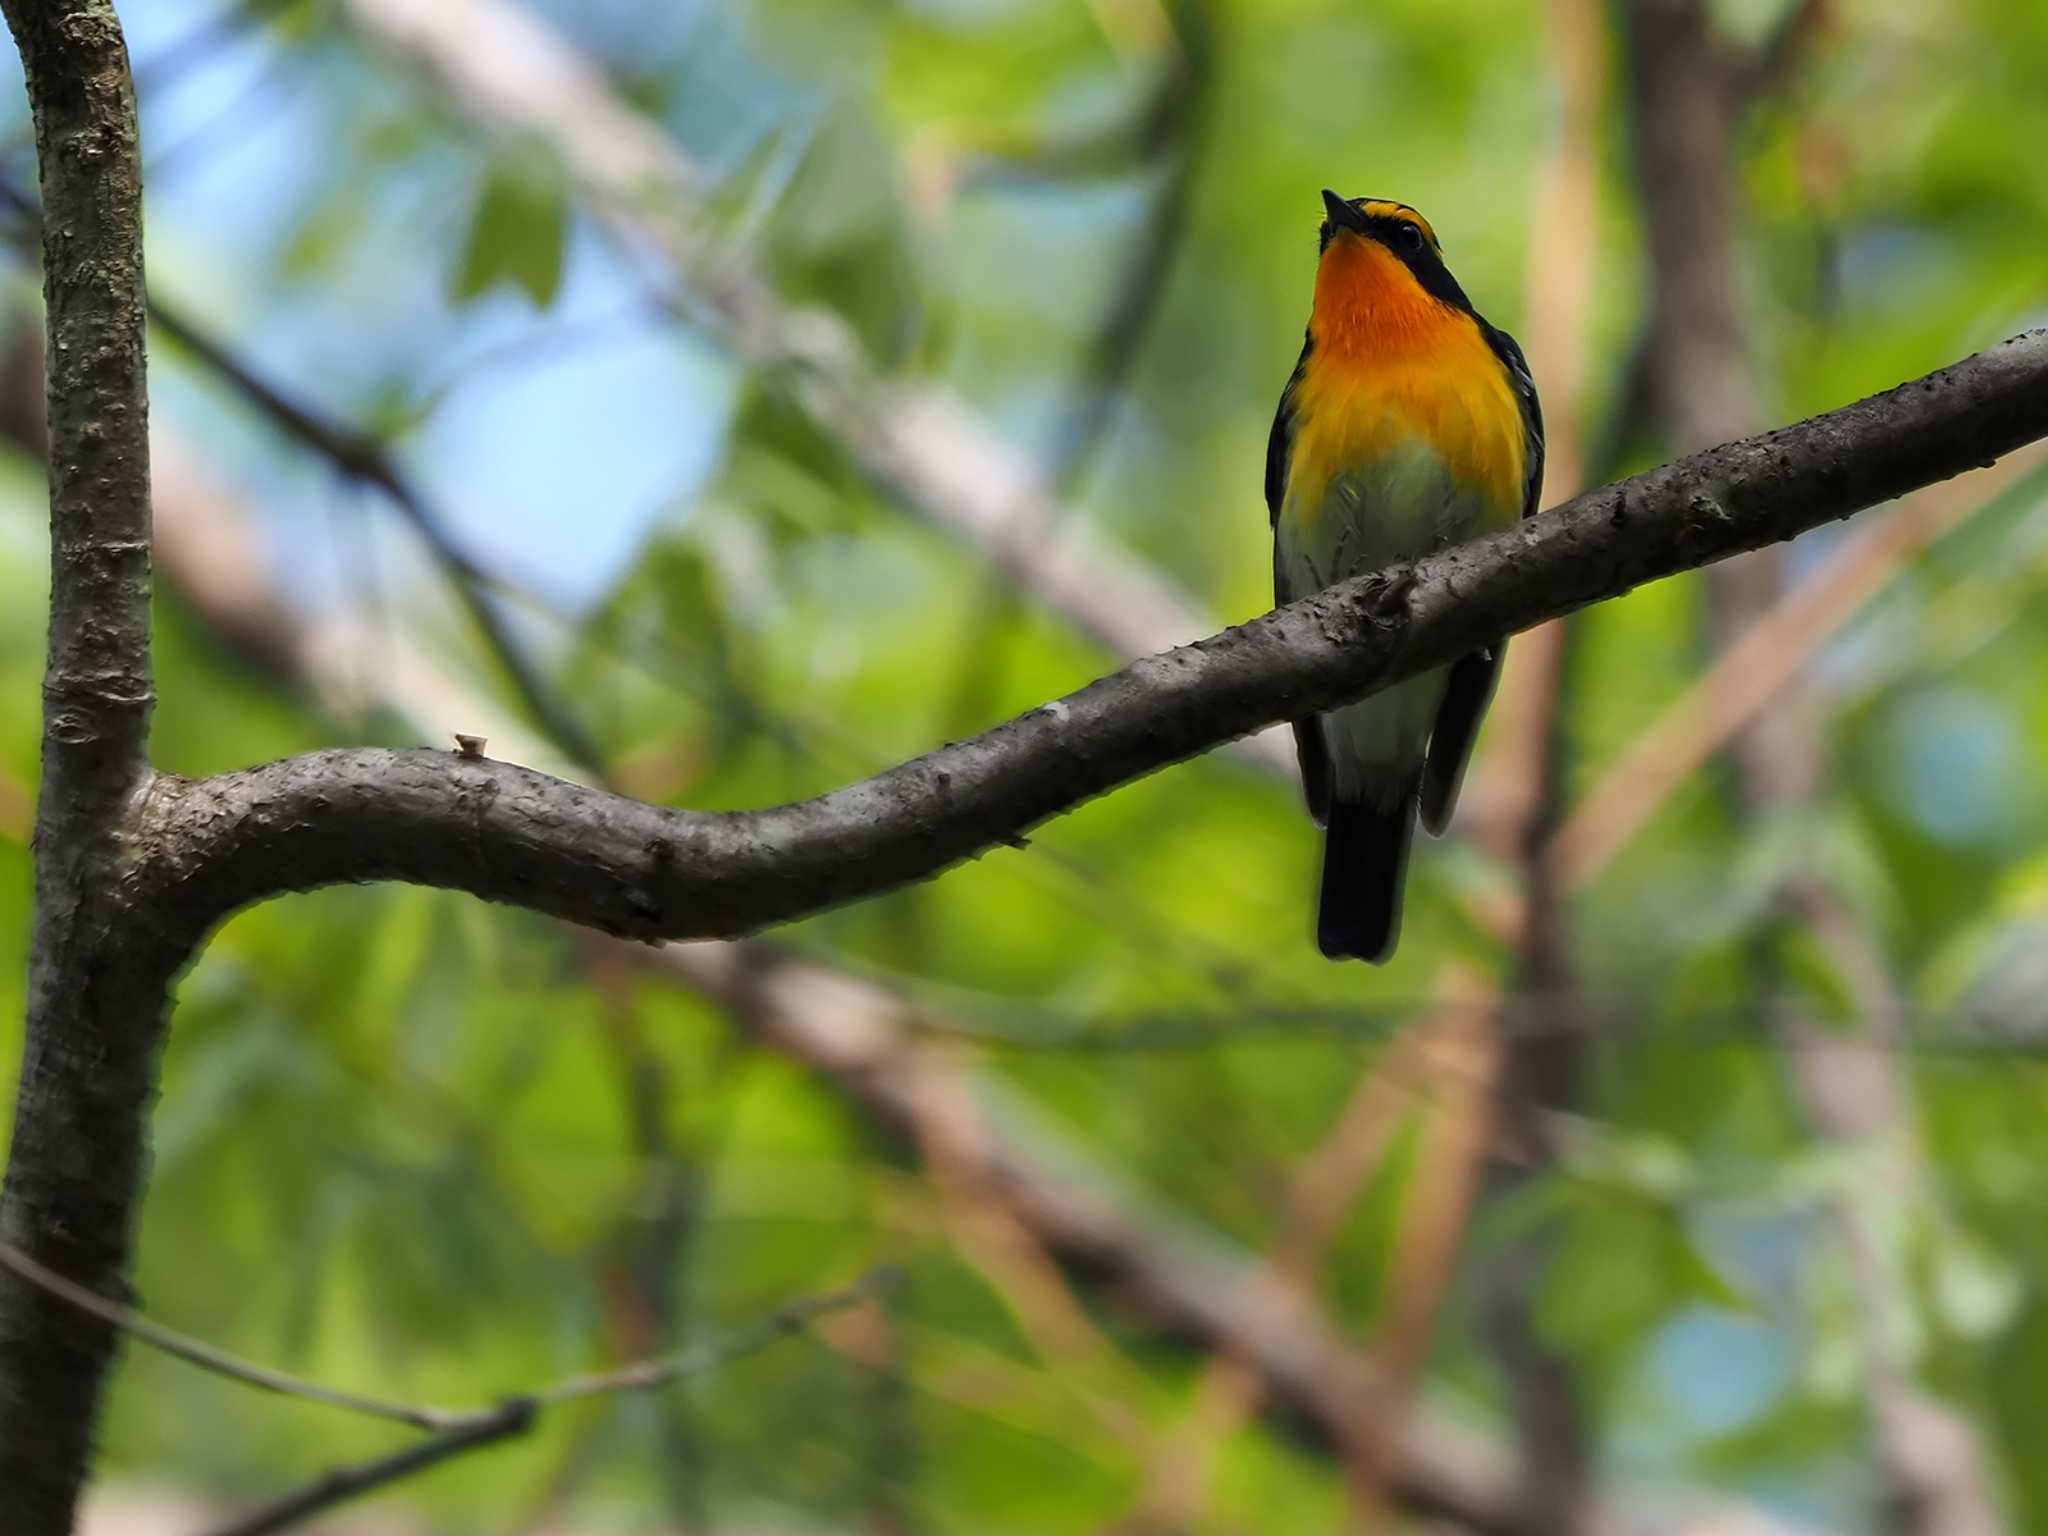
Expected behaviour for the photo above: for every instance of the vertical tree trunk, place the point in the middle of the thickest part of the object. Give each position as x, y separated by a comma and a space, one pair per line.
97, 979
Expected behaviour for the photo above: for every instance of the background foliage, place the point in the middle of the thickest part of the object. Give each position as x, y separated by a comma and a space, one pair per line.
440, 1151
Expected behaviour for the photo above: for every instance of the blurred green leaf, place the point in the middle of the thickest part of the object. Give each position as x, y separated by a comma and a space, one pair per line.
518, 233
1623, 1264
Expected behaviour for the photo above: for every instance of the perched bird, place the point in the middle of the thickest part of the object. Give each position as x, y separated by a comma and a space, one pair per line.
1408, 425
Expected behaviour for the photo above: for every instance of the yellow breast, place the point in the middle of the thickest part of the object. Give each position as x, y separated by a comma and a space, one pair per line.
1388, 366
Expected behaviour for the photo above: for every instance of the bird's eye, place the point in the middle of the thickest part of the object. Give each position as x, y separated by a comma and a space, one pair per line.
1410, 239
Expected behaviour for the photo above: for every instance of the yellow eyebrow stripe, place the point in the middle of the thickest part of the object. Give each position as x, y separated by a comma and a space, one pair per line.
1375, 208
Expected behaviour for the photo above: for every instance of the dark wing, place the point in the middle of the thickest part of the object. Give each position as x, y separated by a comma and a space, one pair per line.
1281, 442
1308, 734
1469, 688
1510, 354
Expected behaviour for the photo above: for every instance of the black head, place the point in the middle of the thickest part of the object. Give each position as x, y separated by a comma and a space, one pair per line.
1401, 230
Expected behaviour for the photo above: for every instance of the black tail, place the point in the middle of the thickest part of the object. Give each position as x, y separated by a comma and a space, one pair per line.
1365, 862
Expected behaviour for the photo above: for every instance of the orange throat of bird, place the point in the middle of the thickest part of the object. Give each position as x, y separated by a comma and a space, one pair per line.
1389, 363
1369, 307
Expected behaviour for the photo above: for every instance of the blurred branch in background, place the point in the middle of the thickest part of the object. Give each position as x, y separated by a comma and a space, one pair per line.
359, 457
207, 551
1454, 1063
1689, 90
519, 81
1536, 1075
1168, 147
1176, 1278
659, 1224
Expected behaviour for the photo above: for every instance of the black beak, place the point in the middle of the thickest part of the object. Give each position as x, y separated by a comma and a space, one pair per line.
1341, 214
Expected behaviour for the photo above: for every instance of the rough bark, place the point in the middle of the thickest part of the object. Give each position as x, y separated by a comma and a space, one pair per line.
508, 834
96, 975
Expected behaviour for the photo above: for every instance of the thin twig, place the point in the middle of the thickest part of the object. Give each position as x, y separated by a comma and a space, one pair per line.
516, 1415
193, 1351
790, 1318
639, 1376
342, 1484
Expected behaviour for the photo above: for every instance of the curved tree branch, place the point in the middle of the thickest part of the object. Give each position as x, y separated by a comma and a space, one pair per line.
509, 834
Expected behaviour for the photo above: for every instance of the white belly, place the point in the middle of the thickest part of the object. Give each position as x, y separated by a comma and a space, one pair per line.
1406, 506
